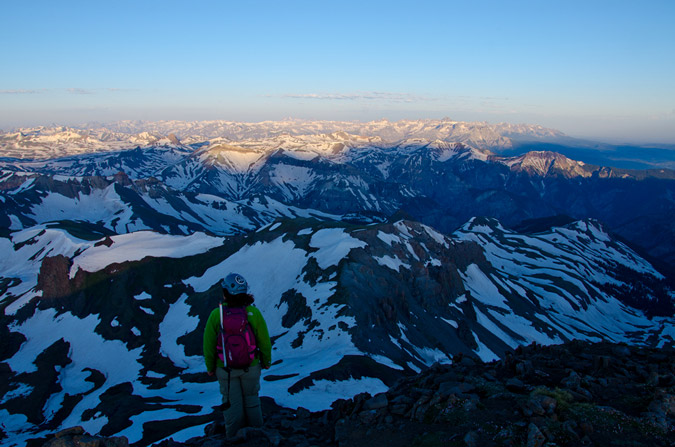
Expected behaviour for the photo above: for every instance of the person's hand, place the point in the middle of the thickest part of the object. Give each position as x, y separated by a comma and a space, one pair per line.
210, 373
266, 366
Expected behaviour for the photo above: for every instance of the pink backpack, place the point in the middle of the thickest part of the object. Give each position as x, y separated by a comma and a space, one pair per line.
237, 340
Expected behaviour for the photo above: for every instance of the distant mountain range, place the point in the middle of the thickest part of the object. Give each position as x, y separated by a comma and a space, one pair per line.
505, 139
373, 251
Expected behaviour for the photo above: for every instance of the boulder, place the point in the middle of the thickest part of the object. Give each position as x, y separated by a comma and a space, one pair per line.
535, 438
376, 402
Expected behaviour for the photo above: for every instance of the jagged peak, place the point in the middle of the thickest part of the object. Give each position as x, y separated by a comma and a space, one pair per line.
590, 227
544, 163
482, 224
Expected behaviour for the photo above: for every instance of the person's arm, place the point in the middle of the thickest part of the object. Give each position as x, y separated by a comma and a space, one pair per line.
262, 335
210, 340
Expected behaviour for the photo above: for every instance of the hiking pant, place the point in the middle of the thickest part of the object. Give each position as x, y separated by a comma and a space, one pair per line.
245, 410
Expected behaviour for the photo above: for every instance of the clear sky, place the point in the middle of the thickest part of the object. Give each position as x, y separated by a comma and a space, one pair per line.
592, 68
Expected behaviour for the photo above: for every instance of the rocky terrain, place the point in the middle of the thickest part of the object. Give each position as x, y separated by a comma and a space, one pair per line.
575, 394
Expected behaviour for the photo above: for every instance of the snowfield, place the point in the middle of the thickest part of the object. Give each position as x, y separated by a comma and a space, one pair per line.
294, 277
136, 246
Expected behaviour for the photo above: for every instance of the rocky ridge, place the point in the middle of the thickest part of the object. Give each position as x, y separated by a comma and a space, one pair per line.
573, 394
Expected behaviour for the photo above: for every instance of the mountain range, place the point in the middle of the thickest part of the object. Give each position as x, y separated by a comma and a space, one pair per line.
504, 138
442, 183
373, 250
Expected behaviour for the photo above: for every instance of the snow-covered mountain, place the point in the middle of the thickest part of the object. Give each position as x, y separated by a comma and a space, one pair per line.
51, 142
436, 182
116, 205
350, 308
360, 241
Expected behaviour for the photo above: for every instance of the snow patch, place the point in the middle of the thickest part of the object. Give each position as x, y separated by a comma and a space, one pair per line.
143, 296
388, 238
392, 263
333, 244
481, 288
324, 392
177, 322
136, 246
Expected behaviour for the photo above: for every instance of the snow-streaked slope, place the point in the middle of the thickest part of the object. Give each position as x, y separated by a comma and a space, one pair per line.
563, 273
385, 299
101, 205
22, 258
136, 163
116, 204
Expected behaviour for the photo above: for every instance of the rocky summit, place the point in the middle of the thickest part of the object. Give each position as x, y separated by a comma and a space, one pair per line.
574, 394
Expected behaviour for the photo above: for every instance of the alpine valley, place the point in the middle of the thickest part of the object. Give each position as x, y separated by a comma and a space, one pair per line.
373, 250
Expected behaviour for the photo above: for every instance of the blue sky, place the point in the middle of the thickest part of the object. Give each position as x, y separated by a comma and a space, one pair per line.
602, 69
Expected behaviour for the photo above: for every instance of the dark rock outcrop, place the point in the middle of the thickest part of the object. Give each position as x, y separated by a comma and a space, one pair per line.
77, 437
53, 277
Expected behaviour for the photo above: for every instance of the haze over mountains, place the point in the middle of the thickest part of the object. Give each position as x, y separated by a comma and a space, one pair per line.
373, 250
480, 135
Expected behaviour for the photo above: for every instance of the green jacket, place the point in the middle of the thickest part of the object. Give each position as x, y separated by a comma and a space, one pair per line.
262, 339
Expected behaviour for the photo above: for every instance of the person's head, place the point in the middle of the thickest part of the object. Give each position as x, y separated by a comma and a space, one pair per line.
235, 290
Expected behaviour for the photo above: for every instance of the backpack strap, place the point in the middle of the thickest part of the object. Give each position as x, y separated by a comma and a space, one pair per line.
226, 404
222, 338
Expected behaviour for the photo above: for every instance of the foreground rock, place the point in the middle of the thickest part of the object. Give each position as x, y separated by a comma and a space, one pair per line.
77, 437
577, 394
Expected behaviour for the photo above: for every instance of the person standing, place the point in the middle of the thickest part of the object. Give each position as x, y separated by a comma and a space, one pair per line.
236, 360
